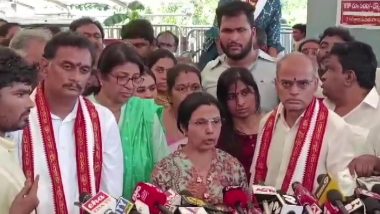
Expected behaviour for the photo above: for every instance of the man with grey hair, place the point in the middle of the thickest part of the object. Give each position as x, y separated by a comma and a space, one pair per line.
301, 138
30, 44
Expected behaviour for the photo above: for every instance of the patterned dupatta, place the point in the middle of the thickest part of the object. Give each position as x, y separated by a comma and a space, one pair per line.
307, 146
39, 152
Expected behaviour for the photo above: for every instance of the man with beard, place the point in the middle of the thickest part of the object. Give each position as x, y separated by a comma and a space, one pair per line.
94, 31
15, 104
238, 42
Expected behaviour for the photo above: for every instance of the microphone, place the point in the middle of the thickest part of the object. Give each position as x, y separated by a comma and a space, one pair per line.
153, 197
376, 189
189, 201
326, 183
123, 206
266, 194
355, 206
141, 208
335, 197
291, 205
100, 203
368, 182
191, 210
362, 193
234, 196
306, 199
372, 206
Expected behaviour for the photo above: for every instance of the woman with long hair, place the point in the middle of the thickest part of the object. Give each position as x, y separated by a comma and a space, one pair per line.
238, 93
159, 62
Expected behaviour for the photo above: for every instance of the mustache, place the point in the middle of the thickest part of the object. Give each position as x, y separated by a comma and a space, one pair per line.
75, 85
233, 44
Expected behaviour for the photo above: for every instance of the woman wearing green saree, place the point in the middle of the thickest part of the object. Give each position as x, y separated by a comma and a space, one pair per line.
143, 139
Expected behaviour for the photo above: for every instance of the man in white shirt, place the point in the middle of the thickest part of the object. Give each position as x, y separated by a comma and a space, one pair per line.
301, 139
15, 86
349, 84
73, 144
238, 42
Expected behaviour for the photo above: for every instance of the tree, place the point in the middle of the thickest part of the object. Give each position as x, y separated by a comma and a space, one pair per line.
133, 11
294, 11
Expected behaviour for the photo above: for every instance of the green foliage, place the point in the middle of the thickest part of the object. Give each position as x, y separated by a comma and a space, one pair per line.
294, 11
90, 6
203, 11
133, 11
171, 8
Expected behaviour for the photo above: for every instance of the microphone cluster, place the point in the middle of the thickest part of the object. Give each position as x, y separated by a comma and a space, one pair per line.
327, 199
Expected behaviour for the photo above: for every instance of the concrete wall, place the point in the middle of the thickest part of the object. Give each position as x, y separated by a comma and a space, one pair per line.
322, 14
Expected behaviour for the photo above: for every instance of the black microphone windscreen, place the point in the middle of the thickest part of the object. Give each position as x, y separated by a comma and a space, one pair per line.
334, 195
291, 212
376, 188
320, 178
295, 185
84, 197
371, 205
186, 193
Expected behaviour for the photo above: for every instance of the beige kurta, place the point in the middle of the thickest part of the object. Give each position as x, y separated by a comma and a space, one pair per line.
11, 176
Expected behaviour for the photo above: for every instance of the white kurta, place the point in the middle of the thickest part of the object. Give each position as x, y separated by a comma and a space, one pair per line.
337, 151
112, 168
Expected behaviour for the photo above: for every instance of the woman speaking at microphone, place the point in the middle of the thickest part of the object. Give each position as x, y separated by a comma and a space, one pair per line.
199, 167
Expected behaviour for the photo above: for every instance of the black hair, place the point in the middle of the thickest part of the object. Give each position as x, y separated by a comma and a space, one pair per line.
68, 39
176, 39
360, 58
117, 54
86, 21
3, 20
235, 8
261, 36
150, 73
307, 41
138, 28
13, 69
232, 76
157, 55
340, 32
192, 103
228, 141
4, 29
174, 72
300, 27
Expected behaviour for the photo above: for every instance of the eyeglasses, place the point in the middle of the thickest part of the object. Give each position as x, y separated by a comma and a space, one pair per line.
124, 80
301, 84
204, 123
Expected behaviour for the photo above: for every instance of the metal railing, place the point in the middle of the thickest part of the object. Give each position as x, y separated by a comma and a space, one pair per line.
191, 38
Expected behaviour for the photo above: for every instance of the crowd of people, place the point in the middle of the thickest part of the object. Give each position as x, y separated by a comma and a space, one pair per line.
77, 116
